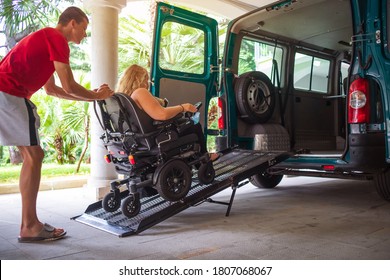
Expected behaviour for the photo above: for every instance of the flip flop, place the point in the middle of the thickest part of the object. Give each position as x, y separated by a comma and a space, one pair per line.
46, 234
214, 156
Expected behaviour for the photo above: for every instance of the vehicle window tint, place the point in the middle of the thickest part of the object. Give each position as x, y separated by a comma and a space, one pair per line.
258, 56
311, 73
182, 48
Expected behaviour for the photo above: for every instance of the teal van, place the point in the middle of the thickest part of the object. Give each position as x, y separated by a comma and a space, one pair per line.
307, 77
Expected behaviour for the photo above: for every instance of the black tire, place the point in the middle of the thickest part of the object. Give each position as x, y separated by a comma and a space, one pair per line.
382, 185
255, 97
174, 180
131, 206
266, 180
111, 202
206, 173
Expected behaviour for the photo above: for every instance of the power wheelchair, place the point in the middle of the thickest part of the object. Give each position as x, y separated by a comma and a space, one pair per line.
151, 155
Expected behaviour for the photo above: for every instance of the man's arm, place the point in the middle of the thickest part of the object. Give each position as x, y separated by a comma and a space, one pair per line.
52, 89
71, 89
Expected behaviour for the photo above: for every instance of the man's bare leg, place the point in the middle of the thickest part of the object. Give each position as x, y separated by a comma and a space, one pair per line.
30, 177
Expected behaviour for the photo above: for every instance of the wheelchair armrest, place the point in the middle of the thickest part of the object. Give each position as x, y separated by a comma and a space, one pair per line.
169, 121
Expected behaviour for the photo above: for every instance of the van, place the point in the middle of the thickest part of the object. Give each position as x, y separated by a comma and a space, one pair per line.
306, 77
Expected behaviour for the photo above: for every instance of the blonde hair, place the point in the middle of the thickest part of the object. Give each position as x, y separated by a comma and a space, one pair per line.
132, 79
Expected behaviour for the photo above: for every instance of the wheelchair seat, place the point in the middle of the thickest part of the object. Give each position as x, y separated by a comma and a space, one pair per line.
149, 153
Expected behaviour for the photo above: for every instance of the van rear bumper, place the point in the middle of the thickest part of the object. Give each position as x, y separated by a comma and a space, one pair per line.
365, 154
367, 151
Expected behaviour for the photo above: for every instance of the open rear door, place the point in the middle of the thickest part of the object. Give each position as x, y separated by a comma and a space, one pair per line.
185, 57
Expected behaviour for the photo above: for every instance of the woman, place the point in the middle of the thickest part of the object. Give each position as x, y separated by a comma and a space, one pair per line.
134, 83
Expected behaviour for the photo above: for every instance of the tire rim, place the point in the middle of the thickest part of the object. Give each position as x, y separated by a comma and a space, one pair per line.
258, 97
112, 203
176, 181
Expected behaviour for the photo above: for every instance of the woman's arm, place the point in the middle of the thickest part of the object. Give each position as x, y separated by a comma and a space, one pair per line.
147, 102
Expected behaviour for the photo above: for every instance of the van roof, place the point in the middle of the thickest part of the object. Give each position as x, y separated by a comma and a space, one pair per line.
323, 23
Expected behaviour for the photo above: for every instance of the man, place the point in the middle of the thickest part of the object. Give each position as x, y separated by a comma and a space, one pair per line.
29, 66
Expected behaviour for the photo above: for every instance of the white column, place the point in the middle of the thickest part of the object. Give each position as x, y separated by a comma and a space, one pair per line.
104, 63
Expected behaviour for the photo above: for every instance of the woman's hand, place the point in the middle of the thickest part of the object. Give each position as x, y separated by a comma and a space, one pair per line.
189, 107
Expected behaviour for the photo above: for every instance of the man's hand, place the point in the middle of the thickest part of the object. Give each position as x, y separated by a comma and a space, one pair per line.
103, 92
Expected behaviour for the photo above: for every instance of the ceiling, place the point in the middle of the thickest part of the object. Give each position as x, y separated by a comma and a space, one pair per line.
224, 8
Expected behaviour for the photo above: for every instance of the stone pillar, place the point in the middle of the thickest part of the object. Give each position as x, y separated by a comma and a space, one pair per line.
104, 63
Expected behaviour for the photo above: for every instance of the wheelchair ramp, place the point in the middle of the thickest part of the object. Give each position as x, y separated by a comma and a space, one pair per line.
231, 169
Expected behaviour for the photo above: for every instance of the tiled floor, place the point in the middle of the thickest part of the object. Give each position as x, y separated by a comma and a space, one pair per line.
303, 218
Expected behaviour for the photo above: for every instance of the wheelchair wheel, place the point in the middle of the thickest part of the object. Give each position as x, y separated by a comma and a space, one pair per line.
206, 173
111, 202
174, 180
131, 206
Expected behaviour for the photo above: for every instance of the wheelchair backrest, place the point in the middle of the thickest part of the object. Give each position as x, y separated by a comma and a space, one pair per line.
121, 114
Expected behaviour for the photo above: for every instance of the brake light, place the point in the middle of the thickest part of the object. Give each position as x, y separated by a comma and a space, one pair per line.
328, 167
359, 102
221, 114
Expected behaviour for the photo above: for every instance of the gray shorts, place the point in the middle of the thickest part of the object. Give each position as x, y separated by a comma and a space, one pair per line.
19, 121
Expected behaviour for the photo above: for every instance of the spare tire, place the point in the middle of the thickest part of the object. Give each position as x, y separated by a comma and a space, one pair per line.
255, 97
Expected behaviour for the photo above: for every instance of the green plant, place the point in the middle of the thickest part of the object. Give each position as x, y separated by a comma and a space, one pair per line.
10, 173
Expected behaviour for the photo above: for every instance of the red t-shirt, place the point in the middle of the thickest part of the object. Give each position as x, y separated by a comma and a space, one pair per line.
29, 65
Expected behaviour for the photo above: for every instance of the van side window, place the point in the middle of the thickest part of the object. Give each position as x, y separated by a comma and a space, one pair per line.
182, 48
258, 56
311, 73
344, 67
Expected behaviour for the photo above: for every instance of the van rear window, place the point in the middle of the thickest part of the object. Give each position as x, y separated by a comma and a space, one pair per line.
182, 48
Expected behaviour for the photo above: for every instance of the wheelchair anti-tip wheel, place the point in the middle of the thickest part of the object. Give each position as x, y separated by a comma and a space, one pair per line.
131, 206
174, 180
111, 202
206, 173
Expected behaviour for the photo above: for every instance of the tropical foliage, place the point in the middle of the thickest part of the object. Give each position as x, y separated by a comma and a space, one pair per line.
133, 42
21, 17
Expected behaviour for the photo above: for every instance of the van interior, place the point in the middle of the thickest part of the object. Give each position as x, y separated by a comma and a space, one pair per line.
304, 49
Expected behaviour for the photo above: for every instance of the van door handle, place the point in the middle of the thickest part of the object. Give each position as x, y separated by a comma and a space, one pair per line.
297, 99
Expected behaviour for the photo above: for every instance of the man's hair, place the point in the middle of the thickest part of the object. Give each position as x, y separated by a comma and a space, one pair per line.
72, 13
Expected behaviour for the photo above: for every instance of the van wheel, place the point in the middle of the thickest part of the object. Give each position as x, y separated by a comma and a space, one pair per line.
255, 97
382, 185
266, 180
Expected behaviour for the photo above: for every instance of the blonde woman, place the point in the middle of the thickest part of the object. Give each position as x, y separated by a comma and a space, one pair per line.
134, 83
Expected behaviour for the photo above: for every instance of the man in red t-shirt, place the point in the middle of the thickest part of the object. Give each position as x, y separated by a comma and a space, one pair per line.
29, 66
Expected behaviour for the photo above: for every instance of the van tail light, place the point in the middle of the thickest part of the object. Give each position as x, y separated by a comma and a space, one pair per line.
359, 102
221, 114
